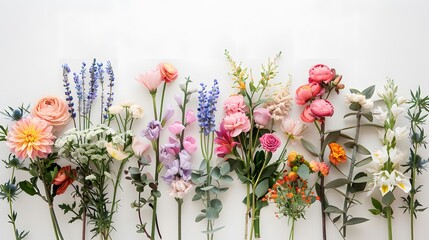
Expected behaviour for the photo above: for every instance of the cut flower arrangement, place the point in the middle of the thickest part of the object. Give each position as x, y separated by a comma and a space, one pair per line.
84, 145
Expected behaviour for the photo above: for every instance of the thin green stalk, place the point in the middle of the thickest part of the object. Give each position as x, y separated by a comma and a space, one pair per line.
322, 178
179, 218
412, 197
292, 230
246, 226
389, 222
162, 100
115, 190
9, 199
351, 169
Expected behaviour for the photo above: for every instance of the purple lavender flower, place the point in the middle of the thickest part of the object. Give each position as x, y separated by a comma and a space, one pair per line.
207, 107
69, 97
79, 92
109, 101
93, 86
153, 130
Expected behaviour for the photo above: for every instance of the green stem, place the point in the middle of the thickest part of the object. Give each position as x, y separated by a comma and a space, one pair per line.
115, 190
179, 218
292, 230
322, 178
389, 222
246, 226
208, 199
350, 175
9, 199
256, 224
412, 198
162, 100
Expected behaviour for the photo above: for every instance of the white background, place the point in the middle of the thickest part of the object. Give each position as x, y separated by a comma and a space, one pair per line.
366, 41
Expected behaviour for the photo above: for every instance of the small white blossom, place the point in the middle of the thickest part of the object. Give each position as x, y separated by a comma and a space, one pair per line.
137, 111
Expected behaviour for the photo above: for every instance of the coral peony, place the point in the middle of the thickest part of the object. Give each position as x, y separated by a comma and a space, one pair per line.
307, 92
321, 73
168, 72
270, 142
321, 108
53, 110
307, 116
30, 137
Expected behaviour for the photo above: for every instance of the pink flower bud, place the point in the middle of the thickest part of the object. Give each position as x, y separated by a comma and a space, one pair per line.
176, 128
261, 116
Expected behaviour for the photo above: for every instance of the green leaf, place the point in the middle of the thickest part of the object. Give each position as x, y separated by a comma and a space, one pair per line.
212, 231
333, 209
369, 91
207, 188
356, 220
376, 204
337, 183
368, 116
349, 144
226, 179
332, 137
309, 147
353, 90
336, 219
216, 173
359, 182
354, 106
374, 211
212, 213
363, 150
262, 188
363, 162
156, 193
196, 197
200, 217
216, 204
303, 171
268, 171
224, 168
27, 187
388, 198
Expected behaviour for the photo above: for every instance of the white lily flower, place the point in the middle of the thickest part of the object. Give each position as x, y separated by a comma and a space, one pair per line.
400, 133
401, 181
397, 110
384, 181
401, 100
390, 135
396, 155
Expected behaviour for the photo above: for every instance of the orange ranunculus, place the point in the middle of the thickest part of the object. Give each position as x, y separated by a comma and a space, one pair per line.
53, 110
64, 178
168, 72
338, 154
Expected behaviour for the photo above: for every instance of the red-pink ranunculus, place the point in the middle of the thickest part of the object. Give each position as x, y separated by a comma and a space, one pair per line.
176, 128
307, 116
270, 142
306, 92
236, 123
190, 117
321, 73
233, 104
321, 108
168, 72
190, 144
150, 79
261, 116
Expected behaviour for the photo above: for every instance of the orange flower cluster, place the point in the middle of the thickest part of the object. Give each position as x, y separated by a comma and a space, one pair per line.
338, 154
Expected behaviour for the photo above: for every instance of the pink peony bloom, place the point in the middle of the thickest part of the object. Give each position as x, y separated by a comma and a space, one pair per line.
224, 141
190, 144
293, 129
30, 137
306, 92
53, 110
150, 79
261, 116
234, 104
321, 73
270, 142
168, 72
324, 169
179, 188
176, 128
190, 117
236, 123
307, 116
321, 108
139, 147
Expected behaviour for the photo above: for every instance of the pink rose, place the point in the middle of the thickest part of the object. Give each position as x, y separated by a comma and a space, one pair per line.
190, 144
261, 116
179, 188
306, 92
150, 79
53, 110
270, 142
324, 169
236, 123
321, 73
321, 108
234, 104
176, 128
307, 116
190, 117
168, 72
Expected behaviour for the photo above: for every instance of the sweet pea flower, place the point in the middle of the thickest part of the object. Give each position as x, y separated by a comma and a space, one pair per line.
168, 72
176, 128
166, 157
150, 79
179, 99
167, 114
136, 111
321, 73
306, 92
270, 142
293, 129
307, 116
190, 117
236, 123
321, 108
153, 130
139, 147
262, 116
179, 188
190, 144
234, 104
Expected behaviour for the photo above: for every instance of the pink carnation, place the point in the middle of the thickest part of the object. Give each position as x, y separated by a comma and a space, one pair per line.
321, 73
234, 104
236, 123
270, 142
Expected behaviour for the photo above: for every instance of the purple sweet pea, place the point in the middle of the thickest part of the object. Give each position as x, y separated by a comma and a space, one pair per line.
153, 130
172, 171
165, 156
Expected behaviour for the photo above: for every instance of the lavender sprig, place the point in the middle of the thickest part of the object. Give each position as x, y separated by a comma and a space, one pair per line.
207, 107
100, 74
83, 76
69, 97
109, 101
93, 87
